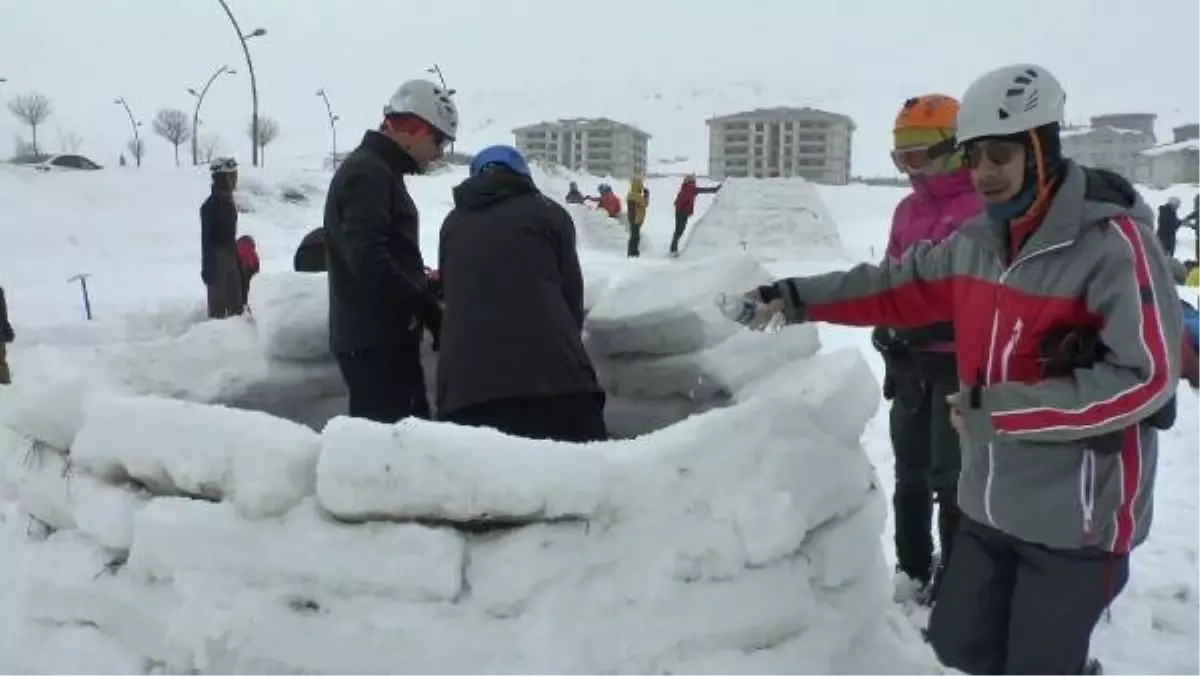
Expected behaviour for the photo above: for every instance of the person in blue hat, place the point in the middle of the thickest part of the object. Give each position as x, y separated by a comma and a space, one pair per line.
512, 354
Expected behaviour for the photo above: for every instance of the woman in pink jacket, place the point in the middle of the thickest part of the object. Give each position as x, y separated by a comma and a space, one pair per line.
920, 363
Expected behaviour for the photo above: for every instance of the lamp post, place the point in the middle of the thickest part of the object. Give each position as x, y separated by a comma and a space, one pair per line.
196, 113
332, 124
437, 70
134, 124
243, 37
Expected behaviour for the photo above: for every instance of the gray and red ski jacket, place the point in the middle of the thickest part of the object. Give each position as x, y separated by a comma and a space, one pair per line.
1065, 462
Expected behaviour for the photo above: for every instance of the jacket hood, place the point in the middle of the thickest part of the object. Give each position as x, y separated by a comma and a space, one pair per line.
491, 187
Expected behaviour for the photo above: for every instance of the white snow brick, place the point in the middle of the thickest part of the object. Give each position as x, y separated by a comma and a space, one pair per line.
302, 548
838, 386
843, 550
771, 218
720, 370
670, 309
628, 418
72, 583
104, 511
38, 477
264, 465
35, 648
291, 313
424, 470
47, 409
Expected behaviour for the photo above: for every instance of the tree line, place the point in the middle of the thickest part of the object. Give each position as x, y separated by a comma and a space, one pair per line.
173, 125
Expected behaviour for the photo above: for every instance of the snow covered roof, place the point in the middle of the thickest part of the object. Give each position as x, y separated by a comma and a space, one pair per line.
1083, 131
1190, 144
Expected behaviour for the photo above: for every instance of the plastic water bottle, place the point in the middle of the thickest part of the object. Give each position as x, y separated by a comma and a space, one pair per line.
737, 308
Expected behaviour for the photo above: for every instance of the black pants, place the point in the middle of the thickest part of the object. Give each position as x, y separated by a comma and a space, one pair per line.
386, 383
928, 461
1012, 607
564, 417
1167, 238
681, 220
635, 240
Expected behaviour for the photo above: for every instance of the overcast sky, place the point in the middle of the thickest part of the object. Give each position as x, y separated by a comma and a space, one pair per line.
526, 59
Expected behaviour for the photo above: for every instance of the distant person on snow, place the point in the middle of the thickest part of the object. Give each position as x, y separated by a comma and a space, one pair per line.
6, 336
1168, 225
608, 200
636, 201
248, 265
573, 194
218, 242
512, 355
921, 371
1060, 441
379, 301
685, 205
310, 255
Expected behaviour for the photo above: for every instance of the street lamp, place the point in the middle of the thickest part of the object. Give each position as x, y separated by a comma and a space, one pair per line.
134, 124
243, 37
332, 124
196, 114
437, 70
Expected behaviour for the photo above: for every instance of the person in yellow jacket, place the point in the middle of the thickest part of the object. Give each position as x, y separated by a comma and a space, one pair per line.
635, 203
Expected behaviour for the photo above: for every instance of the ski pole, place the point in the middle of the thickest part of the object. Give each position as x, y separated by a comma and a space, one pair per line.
87, 301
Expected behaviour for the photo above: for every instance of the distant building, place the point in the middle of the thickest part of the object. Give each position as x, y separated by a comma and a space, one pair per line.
1170, 163
1186, 132
771, 142
1108, 147
598, 146
1143, 122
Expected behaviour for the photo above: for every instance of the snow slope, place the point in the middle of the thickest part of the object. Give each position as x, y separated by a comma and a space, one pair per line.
677, 550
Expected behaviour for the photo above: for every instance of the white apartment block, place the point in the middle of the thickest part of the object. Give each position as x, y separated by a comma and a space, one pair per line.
772, 142
1112, 142
1171, 163
598, 146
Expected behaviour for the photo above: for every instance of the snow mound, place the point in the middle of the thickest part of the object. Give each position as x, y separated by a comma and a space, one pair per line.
597, 231
772, 218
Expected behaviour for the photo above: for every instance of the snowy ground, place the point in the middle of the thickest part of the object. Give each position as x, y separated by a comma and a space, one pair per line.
136, 234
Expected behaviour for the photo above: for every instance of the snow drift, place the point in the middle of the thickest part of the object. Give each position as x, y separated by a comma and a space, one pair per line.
771, 218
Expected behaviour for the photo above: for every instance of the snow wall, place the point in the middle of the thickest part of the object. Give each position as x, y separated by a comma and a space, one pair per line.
179, 536
770, 218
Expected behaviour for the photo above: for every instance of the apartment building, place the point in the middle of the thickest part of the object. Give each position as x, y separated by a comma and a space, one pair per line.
1112, 142
598, 146
784, 141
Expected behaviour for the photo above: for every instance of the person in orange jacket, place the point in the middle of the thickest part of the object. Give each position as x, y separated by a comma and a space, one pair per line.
608, 200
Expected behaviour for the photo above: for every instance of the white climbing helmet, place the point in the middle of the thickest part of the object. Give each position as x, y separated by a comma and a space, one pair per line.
427, 101
1010, 100
223, 165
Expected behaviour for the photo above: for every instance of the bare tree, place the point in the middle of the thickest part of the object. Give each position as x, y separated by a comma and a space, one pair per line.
69, 142
33, 109
209, 147
173, 125
137, 148
268, 131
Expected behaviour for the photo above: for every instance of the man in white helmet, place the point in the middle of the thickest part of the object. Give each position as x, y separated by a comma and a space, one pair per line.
219, 269
379, 300
1068, 330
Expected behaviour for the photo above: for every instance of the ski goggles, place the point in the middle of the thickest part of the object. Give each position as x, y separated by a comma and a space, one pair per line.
916, 158
996, 151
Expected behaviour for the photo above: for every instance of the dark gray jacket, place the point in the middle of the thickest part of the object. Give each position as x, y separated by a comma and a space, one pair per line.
378, 296
514, 296
218, 254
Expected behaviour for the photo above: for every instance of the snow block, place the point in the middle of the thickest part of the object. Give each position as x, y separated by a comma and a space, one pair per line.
105, 512
838, 386
628, 418
264, 465
772, 218
670, 309
38, 477
49, 409
719, 371
303, 549
424, 470
37, 648
597, 231
291, 313
73, 581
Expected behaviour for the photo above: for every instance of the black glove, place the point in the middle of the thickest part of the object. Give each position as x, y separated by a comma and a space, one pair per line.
1065, 349
9, 336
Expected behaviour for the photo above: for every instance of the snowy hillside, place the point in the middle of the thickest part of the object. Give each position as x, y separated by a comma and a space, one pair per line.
173, 500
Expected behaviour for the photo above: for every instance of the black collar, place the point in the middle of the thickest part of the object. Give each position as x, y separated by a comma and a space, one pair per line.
400, 161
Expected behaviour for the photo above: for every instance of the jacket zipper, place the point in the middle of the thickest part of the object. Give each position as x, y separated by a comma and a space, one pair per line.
1008, 350
1087, 494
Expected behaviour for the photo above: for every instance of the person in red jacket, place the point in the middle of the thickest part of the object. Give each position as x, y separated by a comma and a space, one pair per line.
608, 200
685, 204
247, 255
